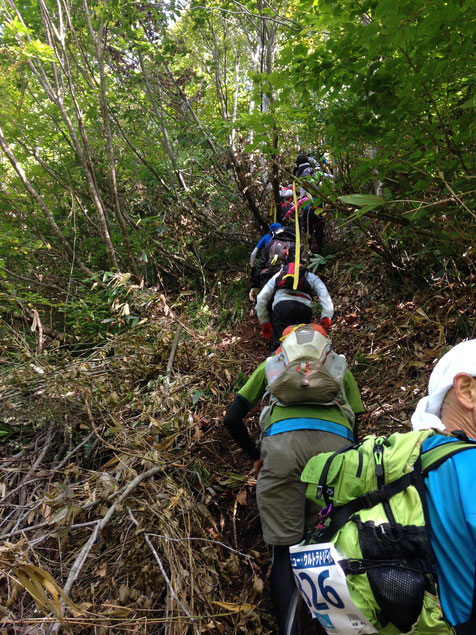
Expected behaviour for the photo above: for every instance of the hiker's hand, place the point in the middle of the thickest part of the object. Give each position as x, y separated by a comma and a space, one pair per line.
257, 465
325, 322
253, 295
267, 331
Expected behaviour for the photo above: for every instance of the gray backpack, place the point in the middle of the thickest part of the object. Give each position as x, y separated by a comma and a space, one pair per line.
305, 370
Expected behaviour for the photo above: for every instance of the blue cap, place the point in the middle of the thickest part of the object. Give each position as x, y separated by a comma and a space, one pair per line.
274, 226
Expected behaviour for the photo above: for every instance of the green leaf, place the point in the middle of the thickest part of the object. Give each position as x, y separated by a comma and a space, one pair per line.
470, 103
300, 49
196, 394
363, 199
6, 431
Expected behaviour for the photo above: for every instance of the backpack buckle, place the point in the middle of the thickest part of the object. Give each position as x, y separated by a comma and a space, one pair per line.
459, 434
304, 371
323, 516
371, 499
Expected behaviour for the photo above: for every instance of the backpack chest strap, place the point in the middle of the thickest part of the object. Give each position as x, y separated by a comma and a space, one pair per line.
342, 514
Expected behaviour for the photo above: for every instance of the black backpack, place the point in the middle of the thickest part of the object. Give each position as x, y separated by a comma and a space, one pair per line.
304, 169
278, 251
285, 280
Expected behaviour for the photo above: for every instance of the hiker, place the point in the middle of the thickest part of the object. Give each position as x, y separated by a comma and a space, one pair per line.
278, 305
301, 201
302, 166
312, 223
451, 488
263, 241
280, 249
396, 537
286, 195
291, 434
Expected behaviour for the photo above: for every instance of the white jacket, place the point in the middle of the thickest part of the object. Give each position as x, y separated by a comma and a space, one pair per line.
316, 284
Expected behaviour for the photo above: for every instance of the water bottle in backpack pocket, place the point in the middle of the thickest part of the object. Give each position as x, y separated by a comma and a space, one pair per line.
337, 365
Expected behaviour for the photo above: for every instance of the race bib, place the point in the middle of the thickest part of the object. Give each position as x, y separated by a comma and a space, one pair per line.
321, 582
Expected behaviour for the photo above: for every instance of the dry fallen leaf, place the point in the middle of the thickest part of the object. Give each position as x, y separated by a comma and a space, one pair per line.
234, 608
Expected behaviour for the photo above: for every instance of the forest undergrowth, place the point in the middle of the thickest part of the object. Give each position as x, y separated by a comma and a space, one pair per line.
126, 508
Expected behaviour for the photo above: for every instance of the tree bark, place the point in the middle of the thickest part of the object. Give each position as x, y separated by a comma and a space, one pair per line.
97, 39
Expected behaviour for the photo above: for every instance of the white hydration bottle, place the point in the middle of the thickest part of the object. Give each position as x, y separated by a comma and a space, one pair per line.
274, 367
336, 365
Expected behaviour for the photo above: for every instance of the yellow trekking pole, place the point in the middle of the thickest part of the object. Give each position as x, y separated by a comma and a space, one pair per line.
273, 211
298, 240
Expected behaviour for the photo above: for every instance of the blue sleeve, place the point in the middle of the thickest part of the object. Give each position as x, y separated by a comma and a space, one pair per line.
451, 497
262, 242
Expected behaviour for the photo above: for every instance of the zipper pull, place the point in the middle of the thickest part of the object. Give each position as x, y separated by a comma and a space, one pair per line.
378, 455
379, 464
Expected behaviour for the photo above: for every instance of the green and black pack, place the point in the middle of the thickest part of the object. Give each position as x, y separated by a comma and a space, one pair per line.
373, 510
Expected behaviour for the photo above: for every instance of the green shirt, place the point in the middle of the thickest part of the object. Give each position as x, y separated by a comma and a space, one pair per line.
255, 388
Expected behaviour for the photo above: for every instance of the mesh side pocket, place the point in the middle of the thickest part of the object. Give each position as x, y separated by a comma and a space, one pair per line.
398, 588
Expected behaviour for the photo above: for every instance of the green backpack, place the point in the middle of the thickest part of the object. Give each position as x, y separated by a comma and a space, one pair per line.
372, 568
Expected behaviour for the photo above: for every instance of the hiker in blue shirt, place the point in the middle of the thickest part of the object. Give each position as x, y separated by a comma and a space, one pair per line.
263, 241
451, 488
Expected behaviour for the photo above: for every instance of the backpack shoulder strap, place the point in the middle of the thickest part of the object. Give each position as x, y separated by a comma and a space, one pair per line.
434, 457
466, 628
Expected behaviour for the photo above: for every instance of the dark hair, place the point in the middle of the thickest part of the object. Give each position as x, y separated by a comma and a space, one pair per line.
301, 158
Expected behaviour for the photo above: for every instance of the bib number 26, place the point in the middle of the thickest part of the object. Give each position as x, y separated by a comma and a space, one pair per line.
313, 593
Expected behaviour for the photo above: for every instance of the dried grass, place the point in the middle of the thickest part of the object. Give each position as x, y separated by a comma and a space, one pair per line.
118, 482
110, 495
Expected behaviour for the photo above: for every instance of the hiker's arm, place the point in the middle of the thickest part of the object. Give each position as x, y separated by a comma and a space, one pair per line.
234, 424
264, 297
319, 288
263, 241
254, 253
356, 428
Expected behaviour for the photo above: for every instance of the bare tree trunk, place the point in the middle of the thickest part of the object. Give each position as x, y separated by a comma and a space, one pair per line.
235, 100
97, 39
218, 81
63, 81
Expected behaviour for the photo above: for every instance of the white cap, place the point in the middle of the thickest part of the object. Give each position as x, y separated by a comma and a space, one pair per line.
460, 359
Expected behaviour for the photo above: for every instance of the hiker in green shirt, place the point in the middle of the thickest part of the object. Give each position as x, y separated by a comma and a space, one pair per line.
291, 435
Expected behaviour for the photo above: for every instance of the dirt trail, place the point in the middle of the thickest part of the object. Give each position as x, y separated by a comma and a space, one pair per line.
390, 340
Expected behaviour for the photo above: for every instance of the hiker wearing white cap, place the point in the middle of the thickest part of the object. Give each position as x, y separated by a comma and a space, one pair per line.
451, 488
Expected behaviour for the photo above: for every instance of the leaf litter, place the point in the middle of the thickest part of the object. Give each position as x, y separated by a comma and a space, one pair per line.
125, 506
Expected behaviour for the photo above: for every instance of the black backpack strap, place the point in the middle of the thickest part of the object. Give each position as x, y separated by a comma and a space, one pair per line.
467, 628
340, 515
